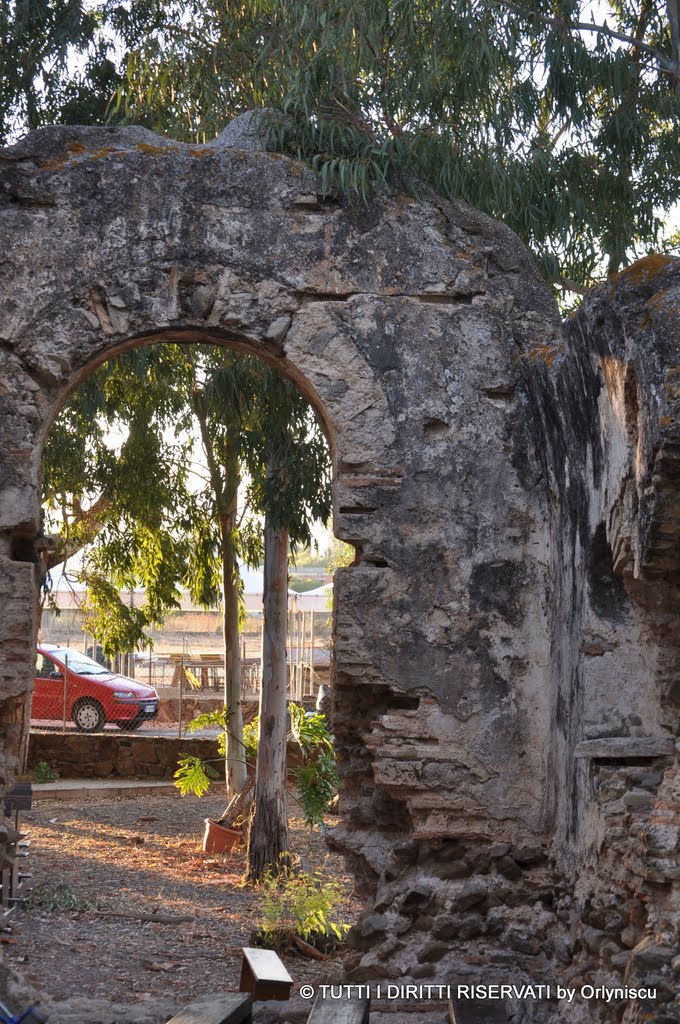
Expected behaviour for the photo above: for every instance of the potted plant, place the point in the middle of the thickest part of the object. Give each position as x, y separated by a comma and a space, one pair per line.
315, 775
195, 775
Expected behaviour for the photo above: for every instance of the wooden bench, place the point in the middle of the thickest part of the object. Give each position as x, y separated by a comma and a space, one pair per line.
477, 1011
263, 974
225, 1008
340, 1011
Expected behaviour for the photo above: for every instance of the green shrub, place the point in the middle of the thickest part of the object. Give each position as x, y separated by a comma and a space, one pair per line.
316, 778
297, 902
317, 783
43, 773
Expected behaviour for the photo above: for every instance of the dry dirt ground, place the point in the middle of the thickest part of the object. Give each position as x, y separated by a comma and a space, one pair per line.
140, 858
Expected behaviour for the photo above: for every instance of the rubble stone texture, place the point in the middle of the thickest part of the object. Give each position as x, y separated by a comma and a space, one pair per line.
506, 643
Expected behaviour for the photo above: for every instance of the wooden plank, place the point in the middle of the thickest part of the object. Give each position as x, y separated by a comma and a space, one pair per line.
264, 975
340, 1011
266, 965
5, 887
225, 1008
477, 1011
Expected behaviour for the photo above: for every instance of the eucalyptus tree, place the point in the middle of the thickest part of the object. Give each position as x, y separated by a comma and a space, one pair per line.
561, 124
288, 465
223, 384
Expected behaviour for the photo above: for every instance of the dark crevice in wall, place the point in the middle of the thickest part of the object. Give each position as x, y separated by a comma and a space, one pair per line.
404, 702
435, 426
22, 549
606, 588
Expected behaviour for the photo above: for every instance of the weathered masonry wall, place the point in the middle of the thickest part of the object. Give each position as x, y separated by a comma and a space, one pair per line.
605, 399
508, 487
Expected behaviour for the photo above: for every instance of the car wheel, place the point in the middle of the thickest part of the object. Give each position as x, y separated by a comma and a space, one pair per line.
131, 724
88, 715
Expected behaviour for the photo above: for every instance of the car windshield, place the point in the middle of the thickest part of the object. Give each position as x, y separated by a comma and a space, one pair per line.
79, 663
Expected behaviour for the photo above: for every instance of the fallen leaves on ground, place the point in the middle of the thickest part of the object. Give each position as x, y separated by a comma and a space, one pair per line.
126, 860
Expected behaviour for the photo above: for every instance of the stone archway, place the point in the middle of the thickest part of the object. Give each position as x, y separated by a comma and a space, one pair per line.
402, 323
432, 350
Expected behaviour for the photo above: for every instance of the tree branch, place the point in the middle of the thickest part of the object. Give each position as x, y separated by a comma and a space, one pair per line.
567, 285
671, 67
89, 521
393, 125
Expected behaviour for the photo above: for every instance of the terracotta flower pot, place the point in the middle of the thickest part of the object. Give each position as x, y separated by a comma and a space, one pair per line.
219, 839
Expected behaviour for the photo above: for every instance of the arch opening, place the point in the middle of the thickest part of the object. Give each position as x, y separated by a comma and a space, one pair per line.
181, 389
87, 712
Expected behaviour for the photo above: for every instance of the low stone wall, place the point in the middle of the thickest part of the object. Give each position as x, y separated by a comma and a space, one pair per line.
105, 756
74, 755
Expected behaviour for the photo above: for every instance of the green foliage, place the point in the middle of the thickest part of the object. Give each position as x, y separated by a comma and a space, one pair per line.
38, 84
287, 460
559, 121
55, 897
317, 783
210, 720
141, 471
296, 902
310, 732
251, 736
118, 486
116, 626
193, 775
44, 773
316, 778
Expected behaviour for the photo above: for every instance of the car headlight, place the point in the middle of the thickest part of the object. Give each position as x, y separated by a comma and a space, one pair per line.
124, 694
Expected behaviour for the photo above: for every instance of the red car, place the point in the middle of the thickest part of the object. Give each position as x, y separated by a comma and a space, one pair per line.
92, 693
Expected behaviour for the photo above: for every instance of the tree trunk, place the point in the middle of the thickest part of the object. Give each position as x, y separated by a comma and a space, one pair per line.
239, 806
224, 480
673, 7
236, 772
269, 829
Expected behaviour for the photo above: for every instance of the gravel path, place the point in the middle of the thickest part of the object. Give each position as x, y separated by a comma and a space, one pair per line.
143, 857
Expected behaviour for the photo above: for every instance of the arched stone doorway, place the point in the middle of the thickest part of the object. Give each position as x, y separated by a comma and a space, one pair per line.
426, 340
401, 323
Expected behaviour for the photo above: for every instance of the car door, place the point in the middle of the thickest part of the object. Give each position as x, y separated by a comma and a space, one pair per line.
48, 695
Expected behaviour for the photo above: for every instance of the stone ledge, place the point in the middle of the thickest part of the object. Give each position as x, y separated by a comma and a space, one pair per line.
615, 747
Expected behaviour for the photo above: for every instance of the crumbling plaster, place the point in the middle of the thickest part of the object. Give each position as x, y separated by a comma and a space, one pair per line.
509, 485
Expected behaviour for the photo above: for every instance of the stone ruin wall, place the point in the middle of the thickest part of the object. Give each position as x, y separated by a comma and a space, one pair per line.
605, 399
505, 643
